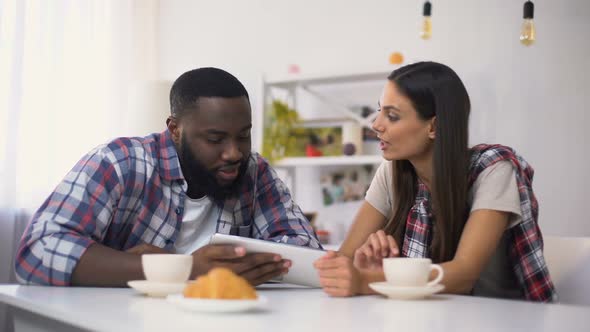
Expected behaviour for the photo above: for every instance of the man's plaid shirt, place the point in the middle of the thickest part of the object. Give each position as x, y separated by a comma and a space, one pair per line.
132, 191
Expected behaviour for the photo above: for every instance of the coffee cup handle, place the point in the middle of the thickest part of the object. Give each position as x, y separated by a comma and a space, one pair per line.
439, 275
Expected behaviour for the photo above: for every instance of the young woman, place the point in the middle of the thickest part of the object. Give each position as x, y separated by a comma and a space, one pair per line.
472, 210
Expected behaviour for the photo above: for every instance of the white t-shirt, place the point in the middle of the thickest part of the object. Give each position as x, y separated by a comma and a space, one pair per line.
199, 222
495, 189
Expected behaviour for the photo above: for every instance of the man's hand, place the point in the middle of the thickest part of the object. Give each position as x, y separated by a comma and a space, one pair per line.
256, 267
145, 248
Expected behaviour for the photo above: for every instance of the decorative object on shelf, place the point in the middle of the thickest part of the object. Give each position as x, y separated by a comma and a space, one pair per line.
396, 58
312, 148
300, 141
527, 32
352, 134
426, 31
316, 141
349, 149
346, 184
280, 123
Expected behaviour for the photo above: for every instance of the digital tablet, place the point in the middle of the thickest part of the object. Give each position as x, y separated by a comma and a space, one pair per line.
301, 271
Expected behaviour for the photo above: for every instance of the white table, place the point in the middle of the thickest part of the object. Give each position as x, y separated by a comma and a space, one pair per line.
290, 309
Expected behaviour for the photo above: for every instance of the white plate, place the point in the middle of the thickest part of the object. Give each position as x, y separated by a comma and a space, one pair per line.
157, 289
405, 293
215, 305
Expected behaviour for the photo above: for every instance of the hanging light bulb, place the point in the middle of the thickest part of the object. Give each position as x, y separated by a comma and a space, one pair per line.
527, 33
426, 31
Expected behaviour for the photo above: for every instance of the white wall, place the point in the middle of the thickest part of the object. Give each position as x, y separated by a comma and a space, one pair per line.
534, 99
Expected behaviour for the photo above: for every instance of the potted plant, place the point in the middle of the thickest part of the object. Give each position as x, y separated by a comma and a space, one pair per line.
279, 139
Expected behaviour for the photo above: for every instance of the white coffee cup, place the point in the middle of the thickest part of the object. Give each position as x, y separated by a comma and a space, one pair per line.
410, 272
168, 268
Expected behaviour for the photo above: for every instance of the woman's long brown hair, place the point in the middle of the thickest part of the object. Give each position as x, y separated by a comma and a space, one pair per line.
435, 90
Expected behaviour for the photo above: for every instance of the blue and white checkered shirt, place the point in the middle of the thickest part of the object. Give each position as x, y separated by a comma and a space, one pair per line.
131, 191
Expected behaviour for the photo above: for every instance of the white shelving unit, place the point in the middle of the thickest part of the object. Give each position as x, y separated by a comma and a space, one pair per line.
302, 80
308, 83
304, 172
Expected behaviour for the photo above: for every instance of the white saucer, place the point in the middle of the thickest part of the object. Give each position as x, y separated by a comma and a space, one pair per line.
215, 305
157, 289
405, 293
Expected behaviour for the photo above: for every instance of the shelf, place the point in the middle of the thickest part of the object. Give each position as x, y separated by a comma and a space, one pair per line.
308, 80
329, 161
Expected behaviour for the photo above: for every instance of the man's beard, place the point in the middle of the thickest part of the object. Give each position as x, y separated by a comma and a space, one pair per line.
202, 180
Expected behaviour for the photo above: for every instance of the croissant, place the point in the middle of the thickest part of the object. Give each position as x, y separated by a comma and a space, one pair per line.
220, 283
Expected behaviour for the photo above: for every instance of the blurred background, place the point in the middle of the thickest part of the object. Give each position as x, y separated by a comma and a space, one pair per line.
74, 74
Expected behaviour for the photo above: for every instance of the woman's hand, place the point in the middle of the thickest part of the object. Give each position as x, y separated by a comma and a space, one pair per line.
338, 276
377, 246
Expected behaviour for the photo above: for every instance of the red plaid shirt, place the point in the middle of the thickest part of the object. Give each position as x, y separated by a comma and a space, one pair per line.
525, 239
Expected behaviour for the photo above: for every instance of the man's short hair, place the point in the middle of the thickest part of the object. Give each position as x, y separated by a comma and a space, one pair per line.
202, 82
